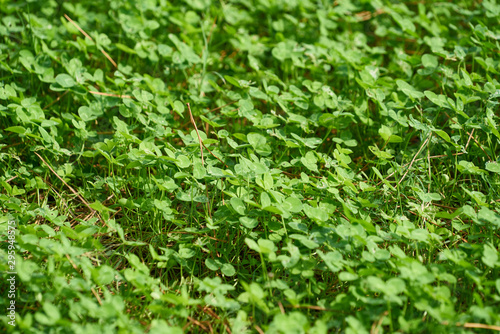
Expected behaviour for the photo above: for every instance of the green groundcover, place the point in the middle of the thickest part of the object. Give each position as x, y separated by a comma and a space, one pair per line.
241, 166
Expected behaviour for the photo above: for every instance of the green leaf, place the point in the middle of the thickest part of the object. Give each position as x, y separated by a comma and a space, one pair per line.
292, 204
272, 209
468, 167
16, 129
52, 313
142, 95
238, 205
228, 269
183, 161
347, 276
186, 253
252, 244
86, 114
333, 260
305, 241
488, 216
367, 225
124, 48
265, 200
199, 170
65, 80
266, 246
327, 120
382, 178
315, 213
467, 79
103, 275
493, 167
310, 161
386, 133
258, 142
212, 264
428, 197
443, 135
490, 256
185, 50
98, 206
268, 181
429, 60
404, 22
178, 107
232, 81
249, 222
439, 100
409, 90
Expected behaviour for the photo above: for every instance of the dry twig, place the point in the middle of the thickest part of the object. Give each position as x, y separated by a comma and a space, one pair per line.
112, 95
196, 128
81, 273
258, 329
474, 325
87, 35
201, 141
56, 100
376, 324
197, 323
415, 157
70, 188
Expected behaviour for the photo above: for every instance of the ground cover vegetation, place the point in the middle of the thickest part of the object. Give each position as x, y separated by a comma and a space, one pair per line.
336, 169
